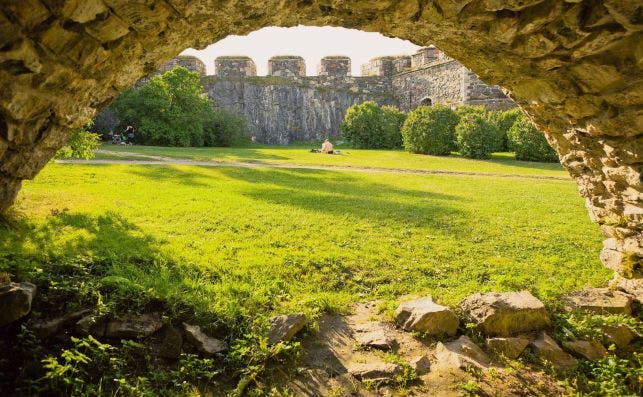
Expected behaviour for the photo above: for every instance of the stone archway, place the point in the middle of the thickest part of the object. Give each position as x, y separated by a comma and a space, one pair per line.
574, 66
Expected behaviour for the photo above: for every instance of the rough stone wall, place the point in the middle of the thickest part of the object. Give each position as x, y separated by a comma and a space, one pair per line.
286, 66
442, 82
191, 63
234, 66
283, 110
576, 67
476, 92
334, 66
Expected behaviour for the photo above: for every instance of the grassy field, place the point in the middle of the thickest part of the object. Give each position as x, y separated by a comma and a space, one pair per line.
239, 243
501, 163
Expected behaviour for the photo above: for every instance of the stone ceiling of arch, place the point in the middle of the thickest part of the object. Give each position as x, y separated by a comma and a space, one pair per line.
573, 65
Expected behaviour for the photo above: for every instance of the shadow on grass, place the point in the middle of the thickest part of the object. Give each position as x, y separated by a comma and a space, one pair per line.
340, 194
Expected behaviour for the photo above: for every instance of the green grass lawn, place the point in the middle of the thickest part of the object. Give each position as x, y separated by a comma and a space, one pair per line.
503, 163
239, 244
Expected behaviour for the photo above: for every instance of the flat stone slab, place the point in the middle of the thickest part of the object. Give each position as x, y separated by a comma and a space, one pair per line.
283, 328
460, 353
598, 300
15, 301
46, 328
585, 349
546, 348
376, 371
510, 347
374, 335
133, 326
505, 314
424, 315
204, 343
633, 287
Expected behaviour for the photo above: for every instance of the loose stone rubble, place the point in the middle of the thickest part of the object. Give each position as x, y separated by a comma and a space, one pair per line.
374, 335
134, 326
505, 314
460, 353
204, 343
15, 301
377, 371
590, 350
283, 328
599, 300
620, 335
509, 347
546, 348
424, 315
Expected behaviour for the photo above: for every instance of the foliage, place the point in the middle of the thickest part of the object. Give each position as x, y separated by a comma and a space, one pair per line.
503, 120
369, 126
529, 143
475, 136
430, 130
582, 325
170, 110
226, 128
81, 144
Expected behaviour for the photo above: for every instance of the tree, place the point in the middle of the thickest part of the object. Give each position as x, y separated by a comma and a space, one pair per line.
171, 110
81, 144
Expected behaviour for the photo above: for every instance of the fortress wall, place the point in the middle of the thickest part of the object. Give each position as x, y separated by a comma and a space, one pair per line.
446, 82
282, 110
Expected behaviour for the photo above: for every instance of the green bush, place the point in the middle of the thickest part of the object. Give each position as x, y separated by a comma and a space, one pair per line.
81, 144
226, 128
503, 120
529, 143
475, 136
430, 130
170, 110
369, 126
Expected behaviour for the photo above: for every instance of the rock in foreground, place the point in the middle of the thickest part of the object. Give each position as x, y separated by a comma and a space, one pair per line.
15, 301
547, 349
283, 328
374, 335
424, 315
460, 353
511, 348
585, 349
377, 372
132, 326
204, 343
599, 300
505, 314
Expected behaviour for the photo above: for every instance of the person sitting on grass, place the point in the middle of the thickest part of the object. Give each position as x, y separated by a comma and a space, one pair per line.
327, 147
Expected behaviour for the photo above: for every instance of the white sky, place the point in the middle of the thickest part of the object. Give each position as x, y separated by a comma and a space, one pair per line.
310, 42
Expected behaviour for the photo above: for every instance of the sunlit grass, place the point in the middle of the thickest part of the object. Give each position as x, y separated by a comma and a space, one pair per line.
501, 163
240, 243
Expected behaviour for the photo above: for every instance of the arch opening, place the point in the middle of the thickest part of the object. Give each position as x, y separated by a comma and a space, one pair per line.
574, 67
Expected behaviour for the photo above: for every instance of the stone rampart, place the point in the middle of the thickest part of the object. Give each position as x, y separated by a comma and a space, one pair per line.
234, 66
286, 66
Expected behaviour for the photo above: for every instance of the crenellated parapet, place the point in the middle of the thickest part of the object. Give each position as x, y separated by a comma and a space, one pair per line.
386, 65
287, 66
336, 65
234, 66
191, 63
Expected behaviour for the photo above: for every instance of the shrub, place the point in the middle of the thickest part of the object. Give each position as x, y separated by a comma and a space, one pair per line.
81, 144
226, 128
529, 143
430, 130
475, 136
503, 120
369, 126
170, 110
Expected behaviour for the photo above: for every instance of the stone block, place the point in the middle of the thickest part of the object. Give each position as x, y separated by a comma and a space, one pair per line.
15, 301
82, 11
424, 315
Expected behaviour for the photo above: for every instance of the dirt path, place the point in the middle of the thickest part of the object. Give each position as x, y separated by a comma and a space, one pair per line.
159, 160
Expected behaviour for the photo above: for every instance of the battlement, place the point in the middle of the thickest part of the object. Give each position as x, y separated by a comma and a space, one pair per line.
287, 66
234, 66
427, 55
336, 65
386, 65
189, 62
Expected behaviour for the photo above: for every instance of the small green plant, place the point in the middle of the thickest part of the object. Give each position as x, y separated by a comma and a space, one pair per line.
529, 143
475, 136
81, 144
469, 388
430, 130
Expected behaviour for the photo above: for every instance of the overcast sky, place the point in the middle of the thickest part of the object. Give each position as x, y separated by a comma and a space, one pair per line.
312, 43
